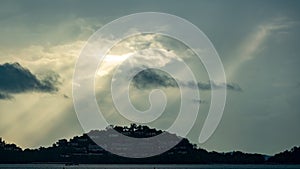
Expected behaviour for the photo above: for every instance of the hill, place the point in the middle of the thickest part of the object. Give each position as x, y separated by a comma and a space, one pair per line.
82, 149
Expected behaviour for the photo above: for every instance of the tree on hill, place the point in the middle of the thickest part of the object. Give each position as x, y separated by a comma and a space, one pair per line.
287, 157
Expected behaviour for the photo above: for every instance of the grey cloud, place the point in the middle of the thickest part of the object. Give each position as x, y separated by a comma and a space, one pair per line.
16, 79
234, 86
66, 96
200, 101
213, 85
151, 78
5, 96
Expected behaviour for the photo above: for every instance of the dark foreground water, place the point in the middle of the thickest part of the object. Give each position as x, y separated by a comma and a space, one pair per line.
61, 166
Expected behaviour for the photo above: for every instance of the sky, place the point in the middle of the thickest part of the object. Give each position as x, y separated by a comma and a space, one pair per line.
257, 41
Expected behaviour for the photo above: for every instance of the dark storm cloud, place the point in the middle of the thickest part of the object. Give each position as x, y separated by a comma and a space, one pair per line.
16, 79
151, 78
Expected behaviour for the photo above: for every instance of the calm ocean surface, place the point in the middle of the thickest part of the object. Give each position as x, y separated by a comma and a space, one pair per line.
61, 166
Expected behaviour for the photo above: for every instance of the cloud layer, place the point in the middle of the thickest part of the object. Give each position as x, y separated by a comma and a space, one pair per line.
16, 79
152, 78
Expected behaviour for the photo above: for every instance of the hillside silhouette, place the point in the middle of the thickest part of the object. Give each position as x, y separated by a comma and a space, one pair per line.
82, 149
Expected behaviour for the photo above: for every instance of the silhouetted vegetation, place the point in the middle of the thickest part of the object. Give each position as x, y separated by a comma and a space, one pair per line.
287, 157
82, 149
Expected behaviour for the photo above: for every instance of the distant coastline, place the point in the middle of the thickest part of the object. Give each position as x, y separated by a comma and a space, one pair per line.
83, 150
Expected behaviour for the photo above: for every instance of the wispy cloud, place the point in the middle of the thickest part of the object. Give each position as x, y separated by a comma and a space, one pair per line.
254, 42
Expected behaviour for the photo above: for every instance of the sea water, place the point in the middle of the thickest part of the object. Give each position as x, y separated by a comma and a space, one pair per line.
130, 166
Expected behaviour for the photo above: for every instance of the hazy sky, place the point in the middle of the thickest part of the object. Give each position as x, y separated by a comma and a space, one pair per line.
257, 41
